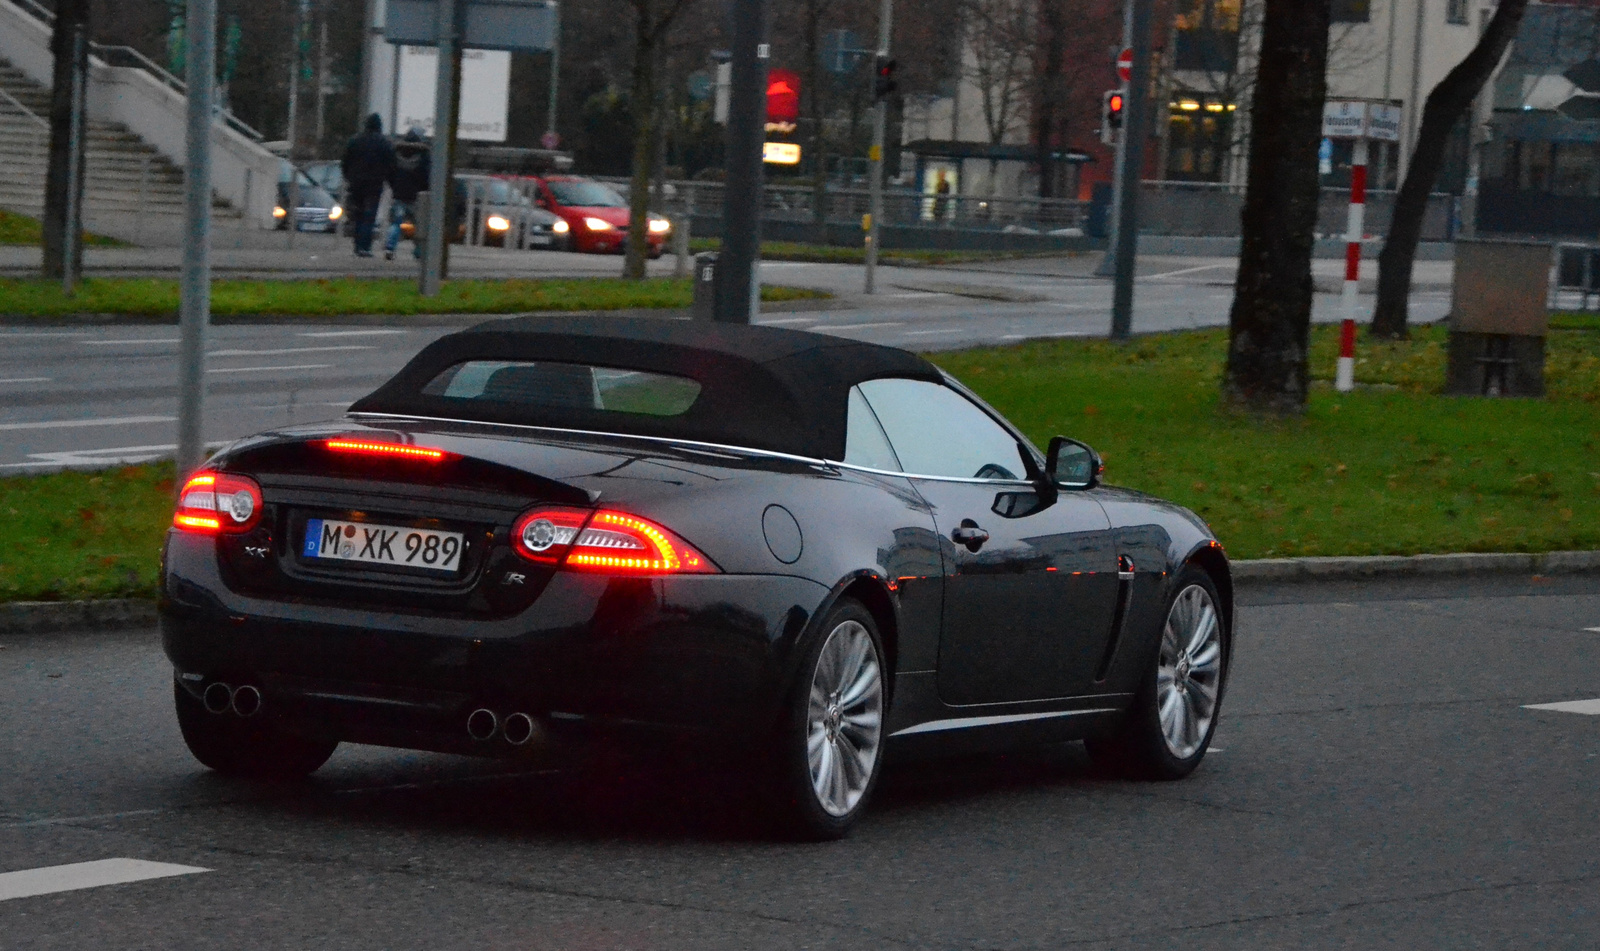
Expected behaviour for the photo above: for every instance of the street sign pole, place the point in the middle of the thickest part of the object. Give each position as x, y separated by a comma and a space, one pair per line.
737, 276
1130, 163
1108, 261
550, 134
444, 100
880, 123
1345, 380
194, 308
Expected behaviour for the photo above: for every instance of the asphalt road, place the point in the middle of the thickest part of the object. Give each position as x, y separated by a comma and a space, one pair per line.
1378, 782
87, 395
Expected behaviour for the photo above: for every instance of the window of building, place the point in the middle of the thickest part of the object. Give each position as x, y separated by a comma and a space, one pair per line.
1455, 11
1351, 11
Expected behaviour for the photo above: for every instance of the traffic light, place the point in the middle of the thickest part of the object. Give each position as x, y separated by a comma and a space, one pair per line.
883, 84
1111, 115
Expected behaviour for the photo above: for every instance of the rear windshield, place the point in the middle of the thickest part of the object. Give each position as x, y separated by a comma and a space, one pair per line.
566, 385
586, 195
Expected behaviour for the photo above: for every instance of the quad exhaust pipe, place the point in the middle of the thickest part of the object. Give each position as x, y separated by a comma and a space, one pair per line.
484, 724
220, 698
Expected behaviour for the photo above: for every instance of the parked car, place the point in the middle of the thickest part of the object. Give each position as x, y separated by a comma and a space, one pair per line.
329, 176
597, 215
782, 549
318, 209
499, 207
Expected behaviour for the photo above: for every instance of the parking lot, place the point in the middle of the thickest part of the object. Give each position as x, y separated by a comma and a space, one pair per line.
1379, 780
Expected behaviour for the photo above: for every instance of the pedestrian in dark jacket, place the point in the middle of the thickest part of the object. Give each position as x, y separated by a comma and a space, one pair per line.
413, 163
368, 163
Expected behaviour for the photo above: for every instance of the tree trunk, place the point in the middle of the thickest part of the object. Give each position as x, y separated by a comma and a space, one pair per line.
1446, 105
71, 16
1269, 326
1053, 23
643, 101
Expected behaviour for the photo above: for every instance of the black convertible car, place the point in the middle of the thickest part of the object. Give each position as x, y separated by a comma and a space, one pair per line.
802, 549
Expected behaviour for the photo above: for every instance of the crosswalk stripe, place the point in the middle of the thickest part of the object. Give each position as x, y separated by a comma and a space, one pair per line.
1590, 707
66, 878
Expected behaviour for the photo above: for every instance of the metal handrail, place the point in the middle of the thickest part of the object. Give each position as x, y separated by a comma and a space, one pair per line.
143, 62
25, 110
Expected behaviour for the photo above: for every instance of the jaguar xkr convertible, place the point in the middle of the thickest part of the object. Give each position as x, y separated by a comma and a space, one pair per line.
805, 550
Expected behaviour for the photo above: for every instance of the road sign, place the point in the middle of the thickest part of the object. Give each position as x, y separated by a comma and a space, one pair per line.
1125, 64
1361, 119
486, 24
780, 153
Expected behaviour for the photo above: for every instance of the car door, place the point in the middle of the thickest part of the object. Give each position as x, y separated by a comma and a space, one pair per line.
1030, 588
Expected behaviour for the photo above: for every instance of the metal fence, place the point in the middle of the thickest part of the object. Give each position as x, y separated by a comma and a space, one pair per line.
1204, 209
1575, 279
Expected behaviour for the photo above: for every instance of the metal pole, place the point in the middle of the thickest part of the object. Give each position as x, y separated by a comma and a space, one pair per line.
1132, 158
1345, 380
194, 311
1108, 261
737, 277
555, 71
880, 122
291, 213
369, 31
439, 174
72, 237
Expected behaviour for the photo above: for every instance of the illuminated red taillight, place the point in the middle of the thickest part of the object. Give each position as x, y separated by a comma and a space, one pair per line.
214, 502
604, 542
392, 449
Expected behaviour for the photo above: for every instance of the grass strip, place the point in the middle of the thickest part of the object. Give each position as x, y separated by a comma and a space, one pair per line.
1392, 468
157, 298
21, 229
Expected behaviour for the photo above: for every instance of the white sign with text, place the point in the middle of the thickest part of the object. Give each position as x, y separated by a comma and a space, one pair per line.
485, 92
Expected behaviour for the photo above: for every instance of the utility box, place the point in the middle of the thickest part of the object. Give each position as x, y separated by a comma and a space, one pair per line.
704, 306
1499, 318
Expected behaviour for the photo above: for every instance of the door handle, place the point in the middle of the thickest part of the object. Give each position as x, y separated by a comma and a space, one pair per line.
970, 535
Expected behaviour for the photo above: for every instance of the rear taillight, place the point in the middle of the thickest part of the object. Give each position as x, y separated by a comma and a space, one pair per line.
213, 502
604, 542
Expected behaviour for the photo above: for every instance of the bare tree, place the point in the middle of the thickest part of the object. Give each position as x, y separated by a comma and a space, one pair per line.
1446, 105
998, 59
69, 45
652, 20
1269, 326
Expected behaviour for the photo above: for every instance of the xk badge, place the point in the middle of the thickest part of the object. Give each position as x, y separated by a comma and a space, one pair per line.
255, 552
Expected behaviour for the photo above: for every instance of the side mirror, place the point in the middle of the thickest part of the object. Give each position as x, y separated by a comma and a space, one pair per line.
1073, 464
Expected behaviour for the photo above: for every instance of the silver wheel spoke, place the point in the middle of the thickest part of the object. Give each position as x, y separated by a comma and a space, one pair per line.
844, 718
1189, 672
1203, 632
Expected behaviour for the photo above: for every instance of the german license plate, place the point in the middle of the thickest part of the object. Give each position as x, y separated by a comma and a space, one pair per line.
382, 544
539, 239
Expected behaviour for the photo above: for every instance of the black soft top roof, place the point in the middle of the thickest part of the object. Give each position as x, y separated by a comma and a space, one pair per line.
761, 387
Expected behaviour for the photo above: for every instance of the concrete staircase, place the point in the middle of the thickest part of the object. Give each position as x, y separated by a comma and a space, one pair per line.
124, 175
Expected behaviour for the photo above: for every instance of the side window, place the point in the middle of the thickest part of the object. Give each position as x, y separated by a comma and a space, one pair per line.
864, 441
936, 431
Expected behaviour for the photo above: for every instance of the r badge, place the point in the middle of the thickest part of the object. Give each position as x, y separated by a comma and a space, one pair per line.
513, 577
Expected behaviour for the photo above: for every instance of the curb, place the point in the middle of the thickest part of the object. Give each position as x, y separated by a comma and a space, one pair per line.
1413, 566
54, 617
116, 614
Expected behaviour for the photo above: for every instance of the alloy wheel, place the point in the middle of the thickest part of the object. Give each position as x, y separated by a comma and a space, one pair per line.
1189, 673
844, 720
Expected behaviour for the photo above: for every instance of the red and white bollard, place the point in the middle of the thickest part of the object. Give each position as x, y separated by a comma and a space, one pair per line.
1345, 381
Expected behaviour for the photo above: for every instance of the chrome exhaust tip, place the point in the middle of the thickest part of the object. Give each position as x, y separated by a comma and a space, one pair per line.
218, 697
519, 729
482, 724
246, 701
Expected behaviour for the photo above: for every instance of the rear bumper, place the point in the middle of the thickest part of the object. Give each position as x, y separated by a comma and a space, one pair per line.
707, 653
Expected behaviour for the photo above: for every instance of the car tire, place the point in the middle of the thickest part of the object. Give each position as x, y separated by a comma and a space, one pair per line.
1169, 726
252, 748
833, 719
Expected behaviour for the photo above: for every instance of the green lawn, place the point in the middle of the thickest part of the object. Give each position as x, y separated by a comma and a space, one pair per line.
20, 229
1390, 469
157, 298
833, 254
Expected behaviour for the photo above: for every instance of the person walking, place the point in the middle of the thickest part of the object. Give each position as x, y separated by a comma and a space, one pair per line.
413, 163
368, 163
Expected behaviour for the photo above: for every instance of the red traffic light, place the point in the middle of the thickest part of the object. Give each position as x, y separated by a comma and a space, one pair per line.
1114, 103
783, 95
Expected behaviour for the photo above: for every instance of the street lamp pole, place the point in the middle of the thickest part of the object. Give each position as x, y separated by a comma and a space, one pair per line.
737, 277
1132, 160
880, 123
194, 309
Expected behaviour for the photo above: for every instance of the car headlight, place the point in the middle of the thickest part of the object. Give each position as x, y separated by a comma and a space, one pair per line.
597, 224
660, 226
561, 227
278, 212
498, 223
334, 213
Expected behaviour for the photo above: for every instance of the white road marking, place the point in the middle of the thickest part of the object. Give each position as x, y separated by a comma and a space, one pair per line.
99, 458
351, 333
44, 333
78, 423
918, 294
302, 366
273, 353
1589, 707
1060, 333
27, 379
1187, 270
789, 320
67, 878
1593, 630
929, 333
1063, 305
884, 323
118, 343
